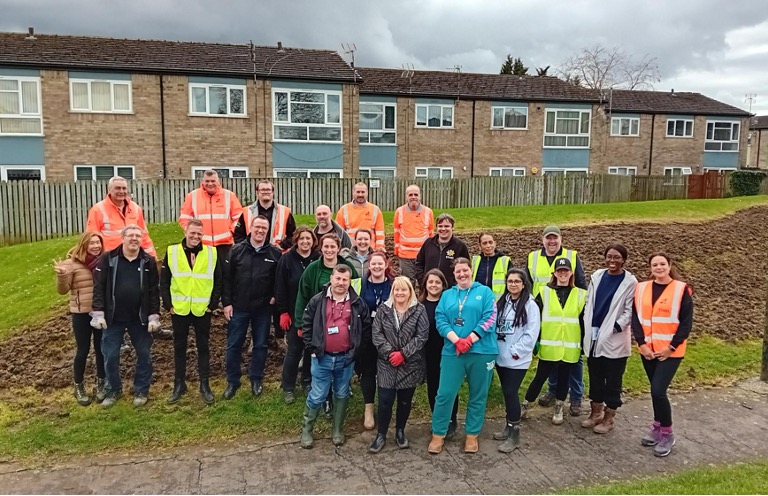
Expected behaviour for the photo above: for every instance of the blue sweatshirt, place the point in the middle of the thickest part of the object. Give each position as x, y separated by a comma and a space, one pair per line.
478, 313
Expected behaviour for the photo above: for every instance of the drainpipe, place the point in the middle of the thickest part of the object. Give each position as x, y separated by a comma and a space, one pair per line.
650, 151
162, 128
472, 146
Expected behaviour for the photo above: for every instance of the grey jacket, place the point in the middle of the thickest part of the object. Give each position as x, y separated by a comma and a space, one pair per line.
346, 241
609, 343
409, 337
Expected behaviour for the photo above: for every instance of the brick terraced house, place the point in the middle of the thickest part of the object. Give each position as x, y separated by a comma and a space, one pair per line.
758, 127
84, 108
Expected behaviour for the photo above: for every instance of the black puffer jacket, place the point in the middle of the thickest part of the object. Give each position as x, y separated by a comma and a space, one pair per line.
314, 323
289, 270
409, 338
104, 285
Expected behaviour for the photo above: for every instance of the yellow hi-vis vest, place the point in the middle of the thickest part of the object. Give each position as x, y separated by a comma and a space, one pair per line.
541, 270
498, 281
560, 330
356, 284
191, 288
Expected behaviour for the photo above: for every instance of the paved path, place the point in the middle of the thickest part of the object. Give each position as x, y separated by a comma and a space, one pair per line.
712, 426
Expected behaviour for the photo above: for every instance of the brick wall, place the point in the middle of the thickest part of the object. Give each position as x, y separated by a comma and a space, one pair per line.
508, 147
760, 148
628, 151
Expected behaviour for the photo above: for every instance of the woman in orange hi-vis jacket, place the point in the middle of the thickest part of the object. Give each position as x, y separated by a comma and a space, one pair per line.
661, 322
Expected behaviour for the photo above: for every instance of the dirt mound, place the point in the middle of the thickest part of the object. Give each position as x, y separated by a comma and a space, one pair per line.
724, 260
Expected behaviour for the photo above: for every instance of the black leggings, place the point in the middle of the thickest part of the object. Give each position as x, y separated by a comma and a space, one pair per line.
605, 379
510, 385
542, 372
293, 356
386, 400
433, 355
84, 333
365, 367
660, 374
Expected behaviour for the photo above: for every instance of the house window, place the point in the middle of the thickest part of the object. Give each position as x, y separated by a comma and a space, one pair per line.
377, 123
306, 115
677, 128
625, 126
20, 111
223, 172
567, 128
435, 172
565, 172
623, 171
103, 172
678, 171
308, 173
722, 136
436, 116
509, 117
377, 172
217, 100
506, 171
95, 95
22, 173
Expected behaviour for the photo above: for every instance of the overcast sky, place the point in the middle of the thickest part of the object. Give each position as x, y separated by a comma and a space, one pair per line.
719, 48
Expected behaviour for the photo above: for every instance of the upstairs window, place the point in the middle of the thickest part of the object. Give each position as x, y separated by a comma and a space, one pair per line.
95, 95
625, 126
377, 123
20, 112
509, 117
217, 100
306, 115
722, 136
567, 129
434, 172
434, 116
679, 128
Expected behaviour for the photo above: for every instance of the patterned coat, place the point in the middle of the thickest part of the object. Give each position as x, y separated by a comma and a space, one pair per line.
409, 338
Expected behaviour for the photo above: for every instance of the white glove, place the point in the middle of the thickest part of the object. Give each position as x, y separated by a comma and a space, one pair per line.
154, 323
98, 321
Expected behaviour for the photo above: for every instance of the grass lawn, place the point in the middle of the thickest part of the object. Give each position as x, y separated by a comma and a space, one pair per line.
38, 426
27, 283
741, 478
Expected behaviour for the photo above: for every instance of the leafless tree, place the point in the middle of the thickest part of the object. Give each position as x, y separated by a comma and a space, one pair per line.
599, 67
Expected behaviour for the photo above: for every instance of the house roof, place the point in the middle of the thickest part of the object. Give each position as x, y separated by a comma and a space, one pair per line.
160, 56
759, 122
664, 102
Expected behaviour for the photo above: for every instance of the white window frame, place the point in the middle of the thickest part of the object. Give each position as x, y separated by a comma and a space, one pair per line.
720, 169
630, 122
568, 136
4, 170
423, 172
218, 169
516, 171
384, 128
518, 108
93, 170
112, 84
684, 171
309, 172
22, 114
711, 141
443, 108
207, 87
308, 126
685, 125
372, 170
563, 170
629, 171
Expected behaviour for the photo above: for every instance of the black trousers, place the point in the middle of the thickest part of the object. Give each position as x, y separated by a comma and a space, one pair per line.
660, 374
605, 379
433, 353
387, 400
84, 333
365, 368
510, 385
202, 326
293, 355
542, 372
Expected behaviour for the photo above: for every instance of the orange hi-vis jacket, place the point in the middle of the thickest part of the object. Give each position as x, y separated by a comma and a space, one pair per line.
352, 217
279, 221
660, 321
219, 214
412, 229
108, 219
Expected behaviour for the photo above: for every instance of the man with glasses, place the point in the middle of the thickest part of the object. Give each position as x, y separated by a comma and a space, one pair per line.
281, 224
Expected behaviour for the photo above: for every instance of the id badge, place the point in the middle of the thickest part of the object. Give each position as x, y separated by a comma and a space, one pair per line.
373, 313
333, 330
595, 332
458, 321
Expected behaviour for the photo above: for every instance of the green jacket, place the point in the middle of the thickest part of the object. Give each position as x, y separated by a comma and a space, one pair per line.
312, 281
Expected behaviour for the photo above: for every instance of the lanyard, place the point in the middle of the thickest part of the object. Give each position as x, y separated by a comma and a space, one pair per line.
464, 301
340, 305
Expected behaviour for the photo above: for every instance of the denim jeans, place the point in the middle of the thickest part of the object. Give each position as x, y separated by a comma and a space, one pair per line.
575, 380
259, 319
141, 339
330, 371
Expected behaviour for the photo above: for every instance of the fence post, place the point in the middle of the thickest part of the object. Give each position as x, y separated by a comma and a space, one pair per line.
764, 368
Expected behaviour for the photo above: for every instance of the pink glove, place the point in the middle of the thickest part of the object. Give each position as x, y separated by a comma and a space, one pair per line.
396, 358
285, 321
463, 345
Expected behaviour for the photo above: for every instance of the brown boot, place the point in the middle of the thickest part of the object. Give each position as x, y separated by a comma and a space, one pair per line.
436, 444
368, 420
470, 444
606, 425
595, 417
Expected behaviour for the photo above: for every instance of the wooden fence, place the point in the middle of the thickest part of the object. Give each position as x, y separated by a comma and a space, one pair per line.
34, 211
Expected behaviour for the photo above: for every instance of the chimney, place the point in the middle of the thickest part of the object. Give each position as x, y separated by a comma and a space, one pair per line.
672, 92
279, 46
31, 34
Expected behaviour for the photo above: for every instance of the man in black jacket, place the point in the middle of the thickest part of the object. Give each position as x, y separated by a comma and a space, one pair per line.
126, 297
336, 323
249, 298
441, 250
190, 284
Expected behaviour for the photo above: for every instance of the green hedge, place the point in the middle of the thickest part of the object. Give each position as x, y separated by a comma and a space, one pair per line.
747, 183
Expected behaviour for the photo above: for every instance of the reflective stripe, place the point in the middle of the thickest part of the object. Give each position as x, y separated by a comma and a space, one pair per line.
212, 216
185, 216
662, 337
345, 213
105, 218
208, 237
412, 240
181, 298
279, 220
565, 344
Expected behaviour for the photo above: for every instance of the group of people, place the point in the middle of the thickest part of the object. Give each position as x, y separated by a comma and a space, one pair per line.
331, 291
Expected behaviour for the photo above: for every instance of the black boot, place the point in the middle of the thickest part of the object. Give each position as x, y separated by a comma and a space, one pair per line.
378, 443
400, 439
230, 390
179, 388
205, 392
512, 442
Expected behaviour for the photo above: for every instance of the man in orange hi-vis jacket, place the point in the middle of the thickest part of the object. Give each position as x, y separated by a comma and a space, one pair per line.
414, 223
360, 214
109, 216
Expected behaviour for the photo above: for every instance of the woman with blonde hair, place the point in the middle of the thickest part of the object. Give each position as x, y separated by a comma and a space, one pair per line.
400, 330
74, 275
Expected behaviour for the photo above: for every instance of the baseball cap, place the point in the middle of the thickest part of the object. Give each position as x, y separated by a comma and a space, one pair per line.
563, 263
551, 230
